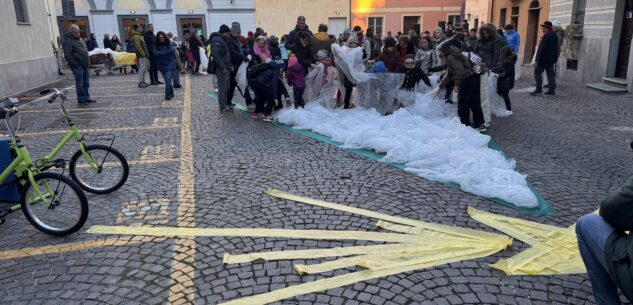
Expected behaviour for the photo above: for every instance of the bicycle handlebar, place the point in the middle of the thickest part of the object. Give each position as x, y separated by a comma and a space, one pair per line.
58, 94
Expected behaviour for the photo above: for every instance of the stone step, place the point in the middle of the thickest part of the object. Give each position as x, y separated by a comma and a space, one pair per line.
618, 82
606, 88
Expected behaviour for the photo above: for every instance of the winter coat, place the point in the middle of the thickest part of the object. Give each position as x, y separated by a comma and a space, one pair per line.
617, 210
438, 42
75, 52
150, 43
506, 71
413, 76
404, 52
236, 51
115, 44
426, 58
321, 41
296, 76
470, 44
548, 49
139, 45
261, 51
391, 60
514, 41
459, 68
129, 46
221, 53
165, 57
91, 44
107, 44
490, 50
304, 55
292, 41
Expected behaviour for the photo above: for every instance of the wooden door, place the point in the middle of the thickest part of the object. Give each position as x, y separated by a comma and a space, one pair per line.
625, 41
127, 25
191, 26
533, 28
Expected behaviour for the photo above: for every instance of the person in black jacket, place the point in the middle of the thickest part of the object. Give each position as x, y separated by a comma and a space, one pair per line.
546, 58
303, 51
224, 66
237, 58
107, 43
92, 42
606, 249
265, 83
150, 42
506, 70
76, 53
293, 39
413, 73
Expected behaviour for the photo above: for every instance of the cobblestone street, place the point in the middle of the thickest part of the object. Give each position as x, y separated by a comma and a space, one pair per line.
192, 166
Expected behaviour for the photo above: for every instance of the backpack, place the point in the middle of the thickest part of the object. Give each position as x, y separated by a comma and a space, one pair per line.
253, 70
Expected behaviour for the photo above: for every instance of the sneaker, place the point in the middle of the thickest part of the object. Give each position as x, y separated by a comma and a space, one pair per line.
508, 112
158, 82
255, 116
154, 84
90, 101
168, 97
268, 118
288, 103
142, 85
481, 129
448, 101
177, 86
82, 103
550, 92
536, 92
226, 109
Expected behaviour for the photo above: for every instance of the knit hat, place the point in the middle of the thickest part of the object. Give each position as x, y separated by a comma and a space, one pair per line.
390, 42
292, 60
224, 29
380, 67
346, 31
235, 28
352, 39
322, 54
260, 38
409, 61
250, 34
358, 29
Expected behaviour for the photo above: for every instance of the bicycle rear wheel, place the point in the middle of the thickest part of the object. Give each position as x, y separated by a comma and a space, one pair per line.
111, 173
61, 209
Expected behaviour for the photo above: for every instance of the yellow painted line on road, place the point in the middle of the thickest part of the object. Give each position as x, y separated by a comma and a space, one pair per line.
181, 289
76, 246
100, 108
62, 131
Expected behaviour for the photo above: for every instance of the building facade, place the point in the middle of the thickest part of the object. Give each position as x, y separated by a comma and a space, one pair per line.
395, 16
525, 15
280, 16
604, 49
177, 16
28, 60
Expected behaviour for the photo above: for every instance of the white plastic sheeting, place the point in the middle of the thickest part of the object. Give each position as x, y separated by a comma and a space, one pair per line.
242, 82
497, 105
204, 60
428, 139
321, 86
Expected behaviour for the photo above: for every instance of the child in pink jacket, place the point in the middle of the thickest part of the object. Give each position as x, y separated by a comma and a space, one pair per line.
297, 80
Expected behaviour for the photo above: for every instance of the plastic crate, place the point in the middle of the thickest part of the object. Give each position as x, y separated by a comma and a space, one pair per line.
10, 191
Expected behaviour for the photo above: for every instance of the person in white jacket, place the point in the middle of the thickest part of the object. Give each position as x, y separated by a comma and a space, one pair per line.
363, 42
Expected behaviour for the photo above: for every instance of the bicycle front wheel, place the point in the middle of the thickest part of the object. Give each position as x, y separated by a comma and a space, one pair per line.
102, 170
55, 204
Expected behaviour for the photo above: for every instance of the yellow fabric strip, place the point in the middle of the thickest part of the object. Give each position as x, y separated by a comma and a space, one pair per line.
315, 253
335, 282
282, 233
449, 230
442, 235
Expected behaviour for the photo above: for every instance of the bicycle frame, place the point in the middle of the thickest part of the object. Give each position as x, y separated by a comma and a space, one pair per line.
73, 133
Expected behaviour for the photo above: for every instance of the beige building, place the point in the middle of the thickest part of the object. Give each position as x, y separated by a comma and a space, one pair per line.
280, 16
603, 50
28, 61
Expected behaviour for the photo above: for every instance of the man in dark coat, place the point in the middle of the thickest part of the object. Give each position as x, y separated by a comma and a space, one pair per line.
606, 249
546, 58
76, 53
237, 58
91, 43
107, 43
293, 37
223, 64
150, 42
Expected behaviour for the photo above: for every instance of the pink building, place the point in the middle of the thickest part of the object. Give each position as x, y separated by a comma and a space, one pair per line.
404, 15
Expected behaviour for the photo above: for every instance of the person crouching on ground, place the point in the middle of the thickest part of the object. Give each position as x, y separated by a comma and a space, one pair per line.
459, 70
413, 73
296, 79
265, 80
505, 82
606, 248
166, 62
224, 67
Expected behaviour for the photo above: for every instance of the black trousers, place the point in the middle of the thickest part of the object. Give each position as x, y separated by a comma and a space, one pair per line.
232, 86
153, 69
470, 101
505, 94
551, 76
196, 56
265, 100
348, 92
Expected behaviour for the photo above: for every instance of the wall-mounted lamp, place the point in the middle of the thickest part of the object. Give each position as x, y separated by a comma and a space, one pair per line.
190, 12
338, 12
132, 12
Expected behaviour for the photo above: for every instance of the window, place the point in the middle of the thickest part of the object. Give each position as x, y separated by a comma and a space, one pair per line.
376, 23
21, 13
579, 11
502, 17
514, 19
455, 19
409, 22
68, 8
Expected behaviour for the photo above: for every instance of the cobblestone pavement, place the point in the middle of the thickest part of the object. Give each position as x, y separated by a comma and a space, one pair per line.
192, 166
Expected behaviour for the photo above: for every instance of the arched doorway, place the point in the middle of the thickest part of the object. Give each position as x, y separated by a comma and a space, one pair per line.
532, 31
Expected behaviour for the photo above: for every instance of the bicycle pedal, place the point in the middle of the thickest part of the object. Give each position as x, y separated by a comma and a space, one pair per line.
59, 163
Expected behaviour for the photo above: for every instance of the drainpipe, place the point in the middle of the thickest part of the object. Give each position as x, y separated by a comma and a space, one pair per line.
492, 11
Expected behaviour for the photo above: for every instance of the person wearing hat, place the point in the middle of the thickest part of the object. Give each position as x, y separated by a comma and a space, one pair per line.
321, 40
390, 56
343, 41
237, 58
413, 73
363, 42
224, 66
546, 57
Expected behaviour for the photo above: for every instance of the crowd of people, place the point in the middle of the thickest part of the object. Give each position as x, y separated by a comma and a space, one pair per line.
462, 56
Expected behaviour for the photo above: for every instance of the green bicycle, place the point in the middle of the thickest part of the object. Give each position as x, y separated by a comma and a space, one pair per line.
98, 169
51, 202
